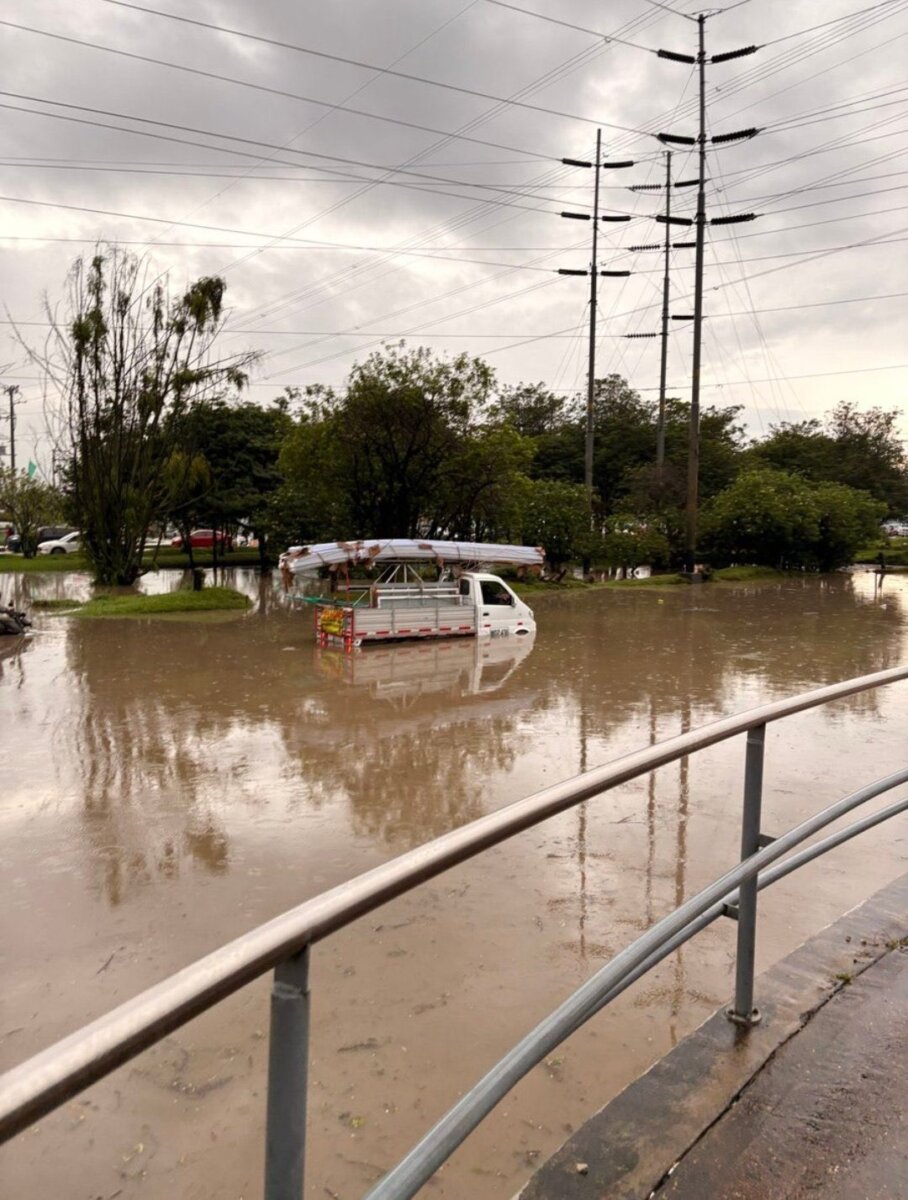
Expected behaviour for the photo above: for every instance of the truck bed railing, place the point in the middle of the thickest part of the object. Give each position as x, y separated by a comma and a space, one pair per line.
53, 1076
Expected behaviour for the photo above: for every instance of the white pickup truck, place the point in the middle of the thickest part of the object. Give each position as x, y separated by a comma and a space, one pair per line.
474, 605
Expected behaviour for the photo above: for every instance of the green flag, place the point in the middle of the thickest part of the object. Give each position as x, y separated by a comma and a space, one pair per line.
32, 469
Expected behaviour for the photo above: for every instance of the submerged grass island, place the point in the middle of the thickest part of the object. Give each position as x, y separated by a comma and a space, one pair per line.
211, 599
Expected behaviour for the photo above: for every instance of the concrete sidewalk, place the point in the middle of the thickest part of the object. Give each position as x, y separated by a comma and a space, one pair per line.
810, 1102
827, 1116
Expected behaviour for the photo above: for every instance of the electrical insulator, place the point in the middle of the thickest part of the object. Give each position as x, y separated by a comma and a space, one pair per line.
733, 137
729, 54
684, 58
733, 220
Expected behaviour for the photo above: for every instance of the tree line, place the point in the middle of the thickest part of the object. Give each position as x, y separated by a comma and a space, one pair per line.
158, 431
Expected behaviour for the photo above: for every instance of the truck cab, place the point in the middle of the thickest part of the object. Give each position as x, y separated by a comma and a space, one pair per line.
499, 611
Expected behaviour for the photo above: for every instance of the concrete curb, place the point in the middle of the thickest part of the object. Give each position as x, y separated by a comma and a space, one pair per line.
629, 1147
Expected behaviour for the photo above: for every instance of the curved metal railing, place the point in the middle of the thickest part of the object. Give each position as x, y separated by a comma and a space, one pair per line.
45, 1081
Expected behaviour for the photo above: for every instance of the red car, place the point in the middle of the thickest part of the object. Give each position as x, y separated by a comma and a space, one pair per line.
203, 539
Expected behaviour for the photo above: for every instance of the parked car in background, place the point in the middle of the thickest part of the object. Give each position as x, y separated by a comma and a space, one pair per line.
71, 543
203, 539
47, 533
896, 528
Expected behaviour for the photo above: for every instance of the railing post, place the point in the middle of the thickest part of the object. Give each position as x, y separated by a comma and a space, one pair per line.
743, 1012
288, 1063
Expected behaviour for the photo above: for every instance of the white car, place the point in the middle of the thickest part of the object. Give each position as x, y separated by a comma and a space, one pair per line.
71, 544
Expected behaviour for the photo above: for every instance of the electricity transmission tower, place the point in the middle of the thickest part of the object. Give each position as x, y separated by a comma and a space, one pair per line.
700, 221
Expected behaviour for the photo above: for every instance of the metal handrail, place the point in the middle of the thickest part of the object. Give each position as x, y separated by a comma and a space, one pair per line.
34, 1088
405, 1180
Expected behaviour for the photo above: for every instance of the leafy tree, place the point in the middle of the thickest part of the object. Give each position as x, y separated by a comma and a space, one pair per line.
556, 516
399, 428
402, 453
625, 438
848, 519
312, 503
29, 504
871, 454
800, 448
131, 361
860, 449
481, 499
532, 410
628, 542
241, 444
187, 479
781, 520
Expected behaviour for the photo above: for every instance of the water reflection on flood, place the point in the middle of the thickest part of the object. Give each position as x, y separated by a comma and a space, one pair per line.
166, 786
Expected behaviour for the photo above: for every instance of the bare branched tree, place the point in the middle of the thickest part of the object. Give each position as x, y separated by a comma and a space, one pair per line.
130, 361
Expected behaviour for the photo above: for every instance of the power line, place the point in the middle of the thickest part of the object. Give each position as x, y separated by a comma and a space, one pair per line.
786, 378
242, 140
245, 154
258, 87
243, 232
608, 37
316, 247
353, 62
835, 21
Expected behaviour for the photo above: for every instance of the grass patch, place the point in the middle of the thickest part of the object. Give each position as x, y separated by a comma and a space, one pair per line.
895, 550
166, 560
54, 604
578, 586
653, 581
746, 574
213, 599
539, 587
46, 562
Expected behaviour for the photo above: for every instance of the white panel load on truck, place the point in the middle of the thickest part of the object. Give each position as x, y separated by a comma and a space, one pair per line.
401, 605
309, 560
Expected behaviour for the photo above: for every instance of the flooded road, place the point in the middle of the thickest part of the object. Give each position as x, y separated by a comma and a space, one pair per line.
169, 784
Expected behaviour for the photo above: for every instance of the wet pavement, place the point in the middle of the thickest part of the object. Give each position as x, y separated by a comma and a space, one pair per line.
166, 785
827, 1117
809, 1102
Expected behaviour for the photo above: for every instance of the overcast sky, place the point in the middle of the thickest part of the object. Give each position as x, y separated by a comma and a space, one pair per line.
797, 321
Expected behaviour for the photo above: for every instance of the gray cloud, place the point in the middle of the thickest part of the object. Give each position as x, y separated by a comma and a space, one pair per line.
287, 293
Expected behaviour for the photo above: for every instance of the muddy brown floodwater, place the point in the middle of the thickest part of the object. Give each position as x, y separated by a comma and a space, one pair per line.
167, 785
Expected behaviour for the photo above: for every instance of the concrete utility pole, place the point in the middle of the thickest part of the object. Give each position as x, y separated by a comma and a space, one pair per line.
666, 247
594, 274
591, 370
693, 450
693, 442
11, 391
663, 361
